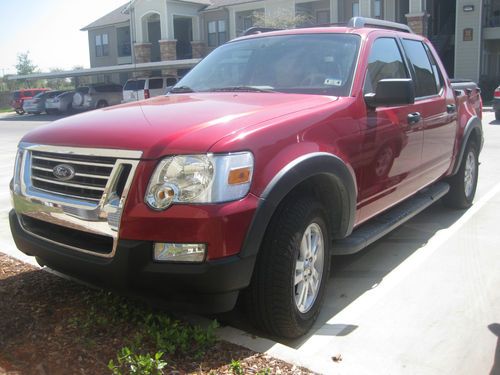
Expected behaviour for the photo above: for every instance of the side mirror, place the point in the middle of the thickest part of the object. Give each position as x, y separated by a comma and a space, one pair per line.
391, 92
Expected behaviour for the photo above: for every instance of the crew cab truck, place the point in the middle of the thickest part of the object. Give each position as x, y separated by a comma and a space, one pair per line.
277, 151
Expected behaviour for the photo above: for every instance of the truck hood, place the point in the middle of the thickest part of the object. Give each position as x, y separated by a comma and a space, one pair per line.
174, 124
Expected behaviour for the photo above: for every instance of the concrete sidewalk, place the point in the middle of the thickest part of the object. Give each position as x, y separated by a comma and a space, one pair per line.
429, 315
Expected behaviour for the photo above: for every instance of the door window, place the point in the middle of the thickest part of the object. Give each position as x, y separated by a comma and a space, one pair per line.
156, 83
385, 61
424, 75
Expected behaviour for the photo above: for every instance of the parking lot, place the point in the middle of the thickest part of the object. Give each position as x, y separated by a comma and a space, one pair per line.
425, 299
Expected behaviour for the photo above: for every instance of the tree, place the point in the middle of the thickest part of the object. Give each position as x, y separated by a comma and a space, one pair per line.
59, 83
281, 19
24, 64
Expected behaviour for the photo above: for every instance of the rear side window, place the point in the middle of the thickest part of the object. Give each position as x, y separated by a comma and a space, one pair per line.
83, 90
156, 83
134, 85
385, 61
424, 74
171, 81
16, 95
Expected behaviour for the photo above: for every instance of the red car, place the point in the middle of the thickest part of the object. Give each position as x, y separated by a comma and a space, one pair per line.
19, 96
277, 151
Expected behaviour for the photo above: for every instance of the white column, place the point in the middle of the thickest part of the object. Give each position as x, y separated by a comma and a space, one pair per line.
365, 8
334, 11
468, 53
417, 6
232, 24
390, 10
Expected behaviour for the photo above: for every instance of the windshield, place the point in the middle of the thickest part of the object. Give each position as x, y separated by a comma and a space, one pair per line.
304, 63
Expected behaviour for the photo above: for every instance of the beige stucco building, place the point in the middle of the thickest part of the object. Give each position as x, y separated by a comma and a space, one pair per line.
466, 33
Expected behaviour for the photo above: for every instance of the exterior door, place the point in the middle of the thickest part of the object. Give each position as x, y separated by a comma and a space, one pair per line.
392, 141
437, 108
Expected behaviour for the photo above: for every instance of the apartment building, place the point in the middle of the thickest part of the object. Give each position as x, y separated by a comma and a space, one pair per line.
466, 33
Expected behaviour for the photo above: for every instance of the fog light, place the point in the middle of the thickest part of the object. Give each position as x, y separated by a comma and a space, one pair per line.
179, 252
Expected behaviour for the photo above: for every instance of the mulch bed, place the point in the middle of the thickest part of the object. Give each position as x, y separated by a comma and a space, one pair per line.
39, 333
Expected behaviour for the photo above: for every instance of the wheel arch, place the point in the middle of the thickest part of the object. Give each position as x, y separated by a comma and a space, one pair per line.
324, 175
473, 131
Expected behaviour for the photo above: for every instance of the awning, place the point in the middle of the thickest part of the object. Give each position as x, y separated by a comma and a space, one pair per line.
173, 64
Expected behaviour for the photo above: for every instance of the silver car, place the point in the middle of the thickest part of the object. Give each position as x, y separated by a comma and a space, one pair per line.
61, 103
97, 96
36, 105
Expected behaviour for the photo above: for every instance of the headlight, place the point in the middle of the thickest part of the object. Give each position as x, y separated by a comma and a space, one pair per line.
200, 179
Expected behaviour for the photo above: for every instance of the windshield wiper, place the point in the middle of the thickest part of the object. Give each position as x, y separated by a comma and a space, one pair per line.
243, 89
181, 89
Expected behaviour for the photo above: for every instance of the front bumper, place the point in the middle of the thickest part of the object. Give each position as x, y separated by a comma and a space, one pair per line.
209, 287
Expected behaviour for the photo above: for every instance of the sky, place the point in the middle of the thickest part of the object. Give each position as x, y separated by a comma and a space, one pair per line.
49, 30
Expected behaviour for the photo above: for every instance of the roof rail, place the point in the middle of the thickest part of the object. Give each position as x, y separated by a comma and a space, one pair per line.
258, 30
357, 22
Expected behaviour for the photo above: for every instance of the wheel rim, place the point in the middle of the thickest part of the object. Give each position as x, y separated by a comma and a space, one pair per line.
470, 174
309, 268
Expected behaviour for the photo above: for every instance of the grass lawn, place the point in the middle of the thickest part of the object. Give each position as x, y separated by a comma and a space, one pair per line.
5, 110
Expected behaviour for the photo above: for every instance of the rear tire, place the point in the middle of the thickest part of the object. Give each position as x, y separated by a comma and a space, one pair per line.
20, 111
289, 280
464, 183
101, 104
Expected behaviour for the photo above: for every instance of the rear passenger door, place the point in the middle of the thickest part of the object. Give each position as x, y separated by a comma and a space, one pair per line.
437, 107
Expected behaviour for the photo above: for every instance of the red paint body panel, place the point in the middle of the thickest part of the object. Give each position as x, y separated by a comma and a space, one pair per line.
277, 128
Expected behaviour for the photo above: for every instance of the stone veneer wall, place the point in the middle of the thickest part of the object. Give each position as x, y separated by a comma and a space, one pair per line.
198, 49
418, 23
168, 52
142, 52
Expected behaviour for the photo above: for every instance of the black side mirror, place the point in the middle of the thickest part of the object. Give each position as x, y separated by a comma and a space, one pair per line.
391, 92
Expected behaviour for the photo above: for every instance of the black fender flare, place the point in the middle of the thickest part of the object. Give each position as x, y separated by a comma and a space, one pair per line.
294, 173
474, 124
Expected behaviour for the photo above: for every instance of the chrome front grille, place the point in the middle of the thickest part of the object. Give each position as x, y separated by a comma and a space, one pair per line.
80, 209
90, 178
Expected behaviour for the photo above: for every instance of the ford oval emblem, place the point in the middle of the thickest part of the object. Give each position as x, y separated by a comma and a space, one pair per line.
63, 172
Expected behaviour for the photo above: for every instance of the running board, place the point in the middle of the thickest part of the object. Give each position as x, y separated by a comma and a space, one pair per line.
382, 224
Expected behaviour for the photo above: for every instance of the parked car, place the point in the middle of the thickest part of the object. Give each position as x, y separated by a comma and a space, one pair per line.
496, 103
36, 105
145, 88
19, 96
61, 103
278, 150
97, 96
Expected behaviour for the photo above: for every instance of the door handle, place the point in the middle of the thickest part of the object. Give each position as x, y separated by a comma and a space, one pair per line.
414, 118
451, 108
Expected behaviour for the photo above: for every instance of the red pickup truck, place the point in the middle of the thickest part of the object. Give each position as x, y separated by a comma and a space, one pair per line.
277, 151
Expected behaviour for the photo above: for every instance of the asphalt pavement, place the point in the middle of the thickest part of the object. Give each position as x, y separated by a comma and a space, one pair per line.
425, 299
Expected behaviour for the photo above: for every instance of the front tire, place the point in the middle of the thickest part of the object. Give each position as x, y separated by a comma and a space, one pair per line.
292, 269
463, 184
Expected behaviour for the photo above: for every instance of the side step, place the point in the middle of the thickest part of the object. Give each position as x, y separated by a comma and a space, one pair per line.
382, 224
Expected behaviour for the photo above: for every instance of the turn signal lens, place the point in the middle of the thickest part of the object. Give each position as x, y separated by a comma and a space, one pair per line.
239, 176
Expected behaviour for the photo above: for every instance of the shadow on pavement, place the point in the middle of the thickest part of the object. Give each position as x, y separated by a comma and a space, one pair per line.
353, 275
41, 117
495, 329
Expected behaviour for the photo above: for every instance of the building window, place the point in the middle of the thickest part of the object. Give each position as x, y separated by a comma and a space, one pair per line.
123, 41
101, 45
217, 34
322, 17
355, 9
